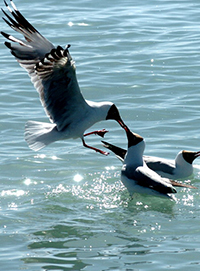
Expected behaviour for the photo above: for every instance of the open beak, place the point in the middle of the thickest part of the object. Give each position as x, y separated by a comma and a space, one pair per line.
123, 125
197, 154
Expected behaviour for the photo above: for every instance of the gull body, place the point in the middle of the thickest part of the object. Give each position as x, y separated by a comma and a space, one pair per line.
135, 174
53, 73
179, 168
138, 177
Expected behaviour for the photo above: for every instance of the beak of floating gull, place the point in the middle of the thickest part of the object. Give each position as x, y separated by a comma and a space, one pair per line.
190, 156
197, 154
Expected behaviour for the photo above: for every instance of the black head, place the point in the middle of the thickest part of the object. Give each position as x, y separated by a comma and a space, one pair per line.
133, 138
113, 114
190, 156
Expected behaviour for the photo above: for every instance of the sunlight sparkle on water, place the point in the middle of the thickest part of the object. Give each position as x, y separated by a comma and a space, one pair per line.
79, 24
12, 192
41, 156
110, 168
83, 24
78, 178
54, 157
188, 200
27, 181
70, 24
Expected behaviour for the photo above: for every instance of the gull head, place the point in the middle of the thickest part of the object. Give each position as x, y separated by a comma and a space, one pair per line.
113, 114
190, 156
136, 146
133, 138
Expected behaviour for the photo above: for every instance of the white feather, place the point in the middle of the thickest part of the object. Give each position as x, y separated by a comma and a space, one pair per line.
40, 134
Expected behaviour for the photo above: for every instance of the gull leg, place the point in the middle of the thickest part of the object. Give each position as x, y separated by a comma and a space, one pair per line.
95, 149
98, 132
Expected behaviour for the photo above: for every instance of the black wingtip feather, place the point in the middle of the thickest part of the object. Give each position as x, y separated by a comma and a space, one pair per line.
11, 19
6, 21
20, 19
13, 53
8, 44
4, 34
58, 51
5, 3
66, 52
54, 54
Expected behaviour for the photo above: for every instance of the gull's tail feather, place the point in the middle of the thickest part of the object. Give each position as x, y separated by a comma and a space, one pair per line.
174, 183
39, 134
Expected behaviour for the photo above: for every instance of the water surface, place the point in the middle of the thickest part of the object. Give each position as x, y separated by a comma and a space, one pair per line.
64, 208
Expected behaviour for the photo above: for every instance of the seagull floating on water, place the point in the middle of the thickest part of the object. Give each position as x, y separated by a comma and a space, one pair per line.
138, 177
52, 71
179, 168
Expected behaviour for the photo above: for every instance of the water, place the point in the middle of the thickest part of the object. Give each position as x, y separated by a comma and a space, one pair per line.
65, 208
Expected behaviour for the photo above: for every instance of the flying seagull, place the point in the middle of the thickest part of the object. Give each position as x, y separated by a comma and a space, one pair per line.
179, 168
138, 177
53, 74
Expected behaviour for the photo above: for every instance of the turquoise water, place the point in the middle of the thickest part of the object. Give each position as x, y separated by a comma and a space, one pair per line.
64, 208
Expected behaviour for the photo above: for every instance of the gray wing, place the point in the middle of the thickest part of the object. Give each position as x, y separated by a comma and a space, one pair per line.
145, 177
150, 179
159, 164
52, 71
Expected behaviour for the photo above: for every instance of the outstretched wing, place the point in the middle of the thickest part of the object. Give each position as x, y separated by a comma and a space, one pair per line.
30, 51
51, 69
60, 94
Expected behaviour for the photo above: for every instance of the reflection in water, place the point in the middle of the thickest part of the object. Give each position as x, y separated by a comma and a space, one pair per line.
65, 247
76, 242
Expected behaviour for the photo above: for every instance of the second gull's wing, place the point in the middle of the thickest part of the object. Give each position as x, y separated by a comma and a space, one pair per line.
159, 164
145, 177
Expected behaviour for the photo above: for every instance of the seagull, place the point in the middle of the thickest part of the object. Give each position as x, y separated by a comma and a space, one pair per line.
53, 74
179, 168
137, 177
